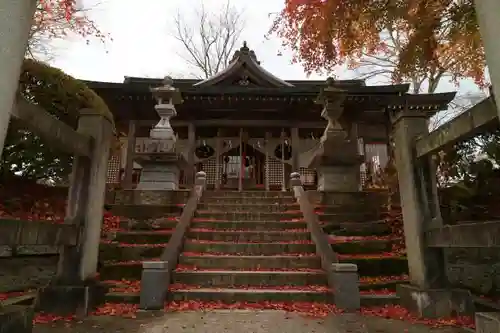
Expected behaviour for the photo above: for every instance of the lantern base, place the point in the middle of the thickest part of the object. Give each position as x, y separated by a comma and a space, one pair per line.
160, 171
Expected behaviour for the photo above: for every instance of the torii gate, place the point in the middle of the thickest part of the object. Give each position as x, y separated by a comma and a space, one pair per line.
16, 18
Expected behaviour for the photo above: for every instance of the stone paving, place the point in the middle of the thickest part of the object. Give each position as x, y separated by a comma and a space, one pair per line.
240, 322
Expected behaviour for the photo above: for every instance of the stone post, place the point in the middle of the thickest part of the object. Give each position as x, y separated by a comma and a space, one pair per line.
487, 16
425, 294
161, 163
346, 282
75, 288
16, 18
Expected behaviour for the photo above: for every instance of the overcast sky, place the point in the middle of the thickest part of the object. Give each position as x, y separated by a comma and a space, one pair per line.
141, 44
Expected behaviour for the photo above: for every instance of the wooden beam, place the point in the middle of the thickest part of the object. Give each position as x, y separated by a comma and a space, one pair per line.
56, 133
476, 235
14, 232
238, 123
465, 126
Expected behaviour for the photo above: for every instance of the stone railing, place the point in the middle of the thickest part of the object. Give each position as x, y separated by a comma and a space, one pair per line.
429, 292
157, 275
342, 278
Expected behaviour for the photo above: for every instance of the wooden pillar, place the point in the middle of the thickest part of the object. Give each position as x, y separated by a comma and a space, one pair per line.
129, 157
283, 176
295, 149
16, 18
218, 149
266, 145
191, 151
240, 178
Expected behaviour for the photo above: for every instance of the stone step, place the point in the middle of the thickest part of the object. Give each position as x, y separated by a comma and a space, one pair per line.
252, 262
232, 295
120, 252
249, 225
359, 216
372, 228
248, 194
248, 200
349, 198
142, 237
363, 246
249, 236
249, 248
144, 212
263, 208
378, 266
248, 216
167, 222
225, 278
129, 271
339, 209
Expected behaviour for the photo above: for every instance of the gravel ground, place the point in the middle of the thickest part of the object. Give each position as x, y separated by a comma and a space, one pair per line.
237, 321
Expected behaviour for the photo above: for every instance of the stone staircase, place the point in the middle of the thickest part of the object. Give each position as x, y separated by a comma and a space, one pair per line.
249, 247
360, 235
254, 246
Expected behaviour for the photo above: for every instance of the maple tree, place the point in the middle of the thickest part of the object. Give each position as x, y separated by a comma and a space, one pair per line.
56, 19
424, 38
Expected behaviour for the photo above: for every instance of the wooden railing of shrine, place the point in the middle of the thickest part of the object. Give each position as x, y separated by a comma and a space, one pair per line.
427, 236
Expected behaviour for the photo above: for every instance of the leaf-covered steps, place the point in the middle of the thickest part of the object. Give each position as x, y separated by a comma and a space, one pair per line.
369, 244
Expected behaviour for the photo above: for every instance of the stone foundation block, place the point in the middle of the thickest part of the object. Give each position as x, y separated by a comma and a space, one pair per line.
346, 285
68, 299
338, 178
488, 322
154, 284
435, 303
16, 319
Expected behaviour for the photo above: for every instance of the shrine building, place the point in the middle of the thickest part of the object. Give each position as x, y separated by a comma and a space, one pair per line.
248, 129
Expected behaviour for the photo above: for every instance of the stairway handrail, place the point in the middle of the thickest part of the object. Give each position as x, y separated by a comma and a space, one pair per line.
318, 236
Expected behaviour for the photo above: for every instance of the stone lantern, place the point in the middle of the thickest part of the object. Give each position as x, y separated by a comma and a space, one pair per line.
337, 159
161, 163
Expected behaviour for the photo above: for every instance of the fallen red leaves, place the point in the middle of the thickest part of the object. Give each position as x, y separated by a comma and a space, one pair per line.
313, 288
202, 241
293, 220
216, 254
381, 255
345, 239
124, 286
6, 296
382, 279
317, 310
186, 268
245, 230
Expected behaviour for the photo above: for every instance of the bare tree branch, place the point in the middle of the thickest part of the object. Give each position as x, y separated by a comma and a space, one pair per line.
209, 44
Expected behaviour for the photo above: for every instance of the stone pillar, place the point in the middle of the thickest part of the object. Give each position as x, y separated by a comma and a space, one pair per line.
487, 15
425, 294
75, 288
16, 18
129, 163
161, 163
295, 149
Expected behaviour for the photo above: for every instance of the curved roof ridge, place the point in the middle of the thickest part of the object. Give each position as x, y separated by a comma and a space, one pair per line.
244, 58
